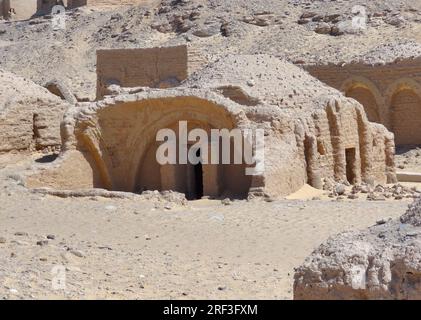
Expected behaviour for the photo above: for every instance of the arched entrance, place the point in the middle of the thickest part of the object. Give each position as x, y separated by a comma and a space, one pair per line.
197, 179
367, 99
406, 117
122, 144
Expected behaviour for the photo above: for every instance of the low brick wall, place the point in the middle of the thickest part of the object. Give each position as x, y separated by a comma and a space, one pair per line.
150, 67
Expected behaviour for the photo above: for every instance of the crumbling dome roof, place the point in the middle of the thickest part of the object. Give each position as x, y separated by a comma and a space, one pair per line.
14, 88
262, 79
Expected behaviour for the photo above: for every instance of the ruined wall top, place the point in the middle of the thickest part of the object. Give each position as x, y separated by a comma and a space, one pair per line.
385, 54
13, 87
164, 67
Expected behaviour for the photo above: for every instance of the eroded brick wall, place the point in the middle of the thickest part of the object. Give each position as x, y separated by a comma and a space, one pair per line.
390, 94
4, 8
367, 99
406, 117
150, 67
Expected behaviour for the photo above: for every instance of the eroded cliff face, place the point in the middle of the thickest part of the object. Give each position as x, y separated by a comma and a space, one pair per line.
383, 262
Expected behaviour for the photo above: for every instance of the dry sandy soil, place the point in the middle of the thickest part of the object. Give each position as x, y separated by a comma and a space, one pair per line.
116, 248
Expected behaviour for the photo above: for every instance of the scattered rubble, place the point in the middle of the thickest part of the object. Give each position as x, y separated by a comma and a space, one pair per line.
165, 197
373, 193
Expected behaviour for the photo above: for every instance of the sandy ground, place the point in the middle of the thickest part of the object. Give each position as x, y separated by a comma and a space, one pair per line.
118, 249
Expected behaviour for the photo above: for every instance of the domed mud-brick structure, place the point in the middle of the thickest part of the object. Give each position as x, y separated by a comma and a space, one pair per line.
311, 133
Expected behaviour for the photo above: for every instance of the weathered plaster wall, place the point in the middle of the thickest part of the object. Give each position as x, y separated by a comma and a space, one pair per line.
31, 126
24, 9
339, 143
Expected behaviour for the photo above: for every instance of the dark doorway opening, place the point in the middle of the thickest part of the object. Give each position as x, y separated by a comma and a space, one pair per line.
47, 158
198, 178
351, 165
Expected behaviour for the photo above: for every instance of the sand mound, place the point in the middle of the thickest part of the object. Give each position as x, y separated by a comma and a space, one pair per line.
307, 192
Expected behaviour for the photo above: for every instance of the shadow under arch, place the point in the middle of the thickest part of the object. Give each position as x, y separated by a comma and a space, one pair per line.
404, 99
366, 92
194, 179
399, 85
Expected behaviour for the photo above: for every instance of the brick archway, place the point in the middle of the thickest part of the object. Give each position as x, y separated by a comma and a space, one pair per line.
406, 117
364, 96
366, 93
403, 98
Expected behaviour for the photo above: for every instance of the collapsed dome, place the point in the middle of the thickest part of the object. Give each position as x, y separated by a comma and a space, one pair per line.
250, 80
